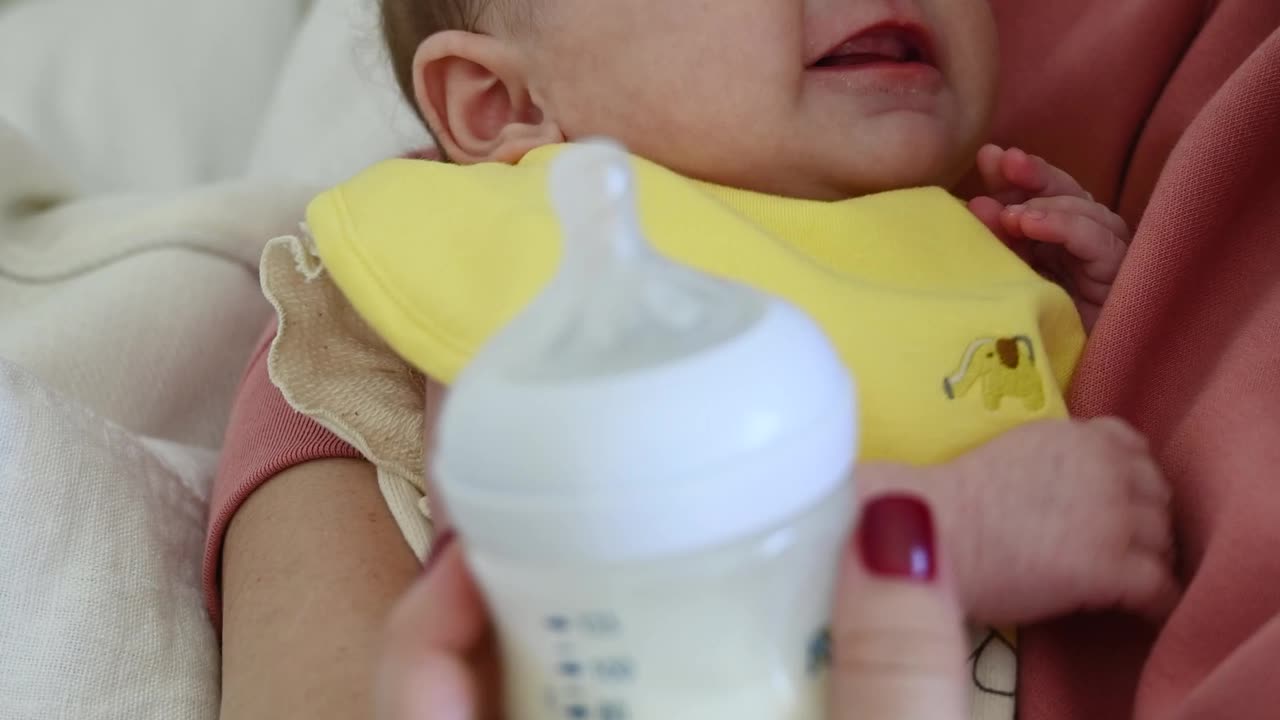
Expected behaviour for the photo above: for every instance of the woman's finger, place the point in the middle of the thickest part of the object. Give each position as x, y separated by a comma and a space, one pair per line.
898, 641
434, 636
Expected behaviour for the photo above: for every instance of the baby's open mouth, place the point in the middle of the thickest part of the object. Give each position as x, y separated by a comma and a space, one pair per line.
883, 44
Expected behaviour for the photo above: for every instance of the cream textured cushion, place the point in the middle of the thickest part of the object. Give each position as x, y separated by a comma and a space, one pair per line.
142, 94
101, 610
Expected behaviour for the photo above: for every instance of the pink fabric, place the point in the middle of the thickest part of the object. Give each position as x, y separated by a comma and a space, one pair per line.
264, 438
1168, 109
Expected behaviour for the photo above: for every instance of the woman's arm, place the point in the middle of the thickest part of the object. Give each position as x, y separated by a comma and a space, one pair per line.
312, 564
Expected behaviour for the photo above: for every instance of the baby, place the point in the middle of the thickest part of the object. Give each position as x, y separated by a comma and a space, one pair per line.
825, 100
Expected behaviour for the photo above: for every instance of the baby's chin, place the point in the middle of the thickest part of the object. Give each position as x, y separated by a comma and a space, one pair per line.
907, 167
860, 165
942, 173
833, 169
831, 183
856, 179
895, 152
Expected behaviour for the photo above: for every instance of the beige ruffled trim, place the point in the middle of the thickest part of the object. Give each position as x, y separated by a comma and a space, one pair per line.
333, 368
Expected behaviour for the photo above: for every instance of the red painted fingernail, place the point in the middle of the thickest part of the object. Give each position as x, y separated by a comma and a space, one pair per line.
438, 546
896, 538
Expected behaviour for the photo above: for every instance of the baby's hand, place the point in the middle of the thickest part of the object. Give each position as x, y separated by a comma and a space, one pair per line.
1062, 516
1075, 241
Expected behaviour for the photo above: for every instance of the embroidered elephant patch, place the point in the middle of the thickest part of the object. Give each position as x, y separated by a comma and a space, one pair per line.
1004, 367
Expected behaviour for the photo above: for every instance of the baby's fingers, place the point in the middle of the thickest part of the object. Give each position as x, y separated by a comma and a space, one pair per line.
1097, 247
1012, 176
989, 212
1153, 531
998, 186
1037, 177
1096, 211
1151, 589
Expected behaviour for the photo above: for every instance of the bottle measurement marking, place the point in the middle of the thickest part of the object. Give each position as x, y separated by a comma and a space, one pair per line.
613, 711
819, 652
581, 664
597, 624
614, 670
572, 694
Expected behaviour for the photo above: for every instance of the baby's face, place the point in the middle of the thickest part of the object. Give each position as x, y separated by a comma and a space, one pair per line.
821, 99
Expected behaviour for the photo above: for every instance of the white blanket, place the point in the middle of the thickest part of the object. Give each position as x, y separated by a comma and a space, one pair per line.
140, 302
148, 150
143, 307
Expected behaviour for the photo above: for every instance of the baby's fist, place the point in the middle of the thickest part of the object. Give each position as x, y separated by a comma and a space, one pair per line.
1067, 516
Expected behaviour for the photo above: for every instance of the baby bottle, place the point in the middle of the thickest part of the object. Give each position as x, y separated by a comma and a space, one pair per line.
651, 470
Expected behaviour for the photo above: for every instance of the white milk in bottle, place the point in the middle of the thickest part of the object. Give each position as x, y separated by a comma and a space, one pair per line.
651, 471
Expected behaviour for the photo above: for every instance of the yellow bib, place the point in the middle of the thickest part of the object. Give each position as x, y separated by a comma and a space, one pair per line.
951, 338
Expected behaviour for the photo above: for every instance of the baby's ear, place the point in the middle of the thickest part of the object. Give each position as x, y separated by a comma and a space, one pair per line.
474, 93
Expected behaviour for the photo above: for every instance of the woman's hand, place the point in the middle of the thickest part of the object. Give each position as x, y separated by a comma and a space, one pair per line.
440, 661
899, 646
898, 643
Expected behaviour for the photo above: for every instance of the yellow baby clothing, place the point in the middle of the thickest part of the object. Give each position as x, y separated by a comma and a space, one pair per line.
951, 337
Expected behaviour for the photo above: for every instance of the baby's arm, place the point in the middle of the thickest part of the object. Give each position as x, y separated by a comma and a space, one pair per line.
312, 566
1051, 518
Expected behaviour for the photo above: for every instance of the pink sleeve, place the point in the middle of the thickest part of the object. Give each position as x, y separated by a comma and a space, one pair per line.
265, 436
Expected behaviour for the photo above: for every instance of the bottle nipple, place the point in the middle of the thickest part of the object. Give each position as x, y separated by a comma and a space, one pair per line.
638, 406
593, 194
615, 304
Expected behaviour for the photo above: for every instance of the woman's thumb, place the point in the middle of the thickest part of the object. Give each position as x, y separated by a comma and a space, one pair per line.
432, 636
898, 639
